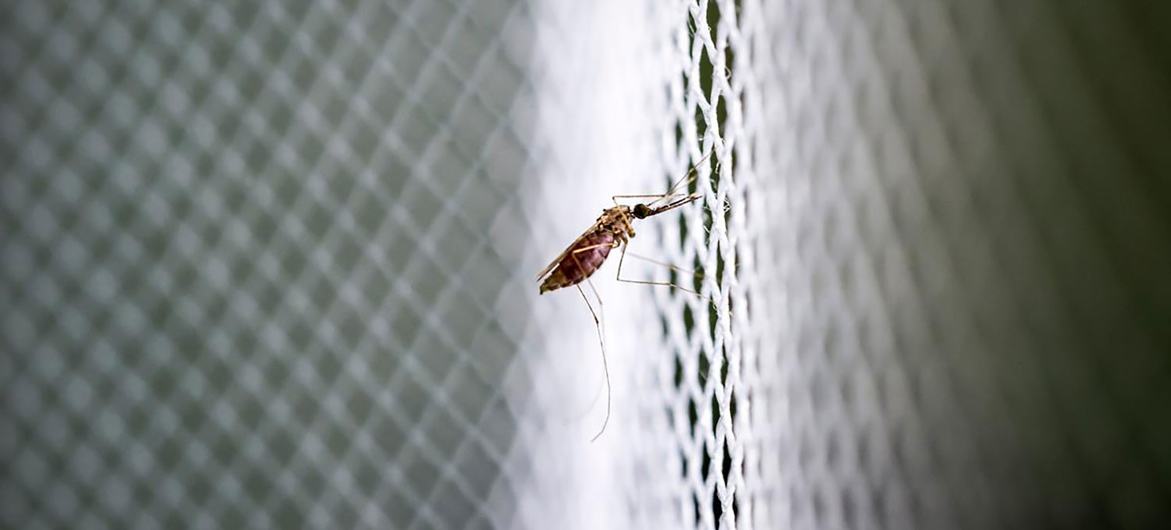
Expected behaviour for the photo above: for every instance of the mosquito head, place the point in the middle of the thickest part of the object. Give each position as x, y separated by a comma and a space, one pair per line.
641, 211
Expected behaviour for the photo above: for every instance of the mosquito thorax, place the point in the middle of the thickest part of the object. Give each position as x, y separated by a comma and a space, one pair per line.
641, 211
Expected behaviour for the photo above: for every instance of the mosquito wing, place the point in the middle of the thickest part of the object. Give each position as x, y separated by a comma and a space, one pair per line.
552, 265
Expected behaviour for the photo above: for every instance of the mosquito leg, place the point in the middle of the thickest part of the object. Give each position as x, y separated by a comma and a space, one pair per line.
647, 282
591, 247
644, 195
667, 265
602, 344
599, 319
601, 308
673, 190
641, 196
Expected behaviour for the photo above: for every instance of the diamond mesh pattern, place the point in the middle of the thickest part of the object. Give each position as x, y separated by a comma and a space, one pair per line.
269, 264
956, 220
248, 248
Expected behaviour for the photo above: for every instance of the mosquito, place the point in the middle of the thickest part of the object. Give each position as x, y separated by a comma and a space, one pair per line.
613, 229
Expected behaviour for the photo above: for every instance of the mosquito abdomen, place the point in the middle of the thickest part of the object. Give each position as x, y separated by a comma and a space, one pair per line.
582, 261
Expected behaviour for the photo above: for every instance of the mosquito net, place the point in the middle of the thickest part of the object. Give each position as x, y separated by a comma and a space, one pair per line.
273, 264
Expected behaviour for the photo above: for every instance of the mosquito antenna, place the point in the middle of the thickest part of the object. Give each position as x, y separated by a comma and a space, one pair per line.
684, 180
675, 204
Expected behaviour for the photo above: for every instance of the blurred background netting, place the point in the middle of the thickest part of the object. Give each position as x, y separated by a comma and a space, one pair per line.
225, 225
964, 265
271, 264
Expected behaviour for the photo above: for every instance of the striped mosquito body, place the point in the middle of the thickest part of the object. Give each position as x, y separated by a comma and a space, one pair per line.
583, 258
613, 229
589, 251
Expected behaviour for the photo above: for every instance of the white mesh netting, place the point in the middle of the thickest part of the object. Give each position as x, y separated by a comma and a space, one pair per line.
271, 264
